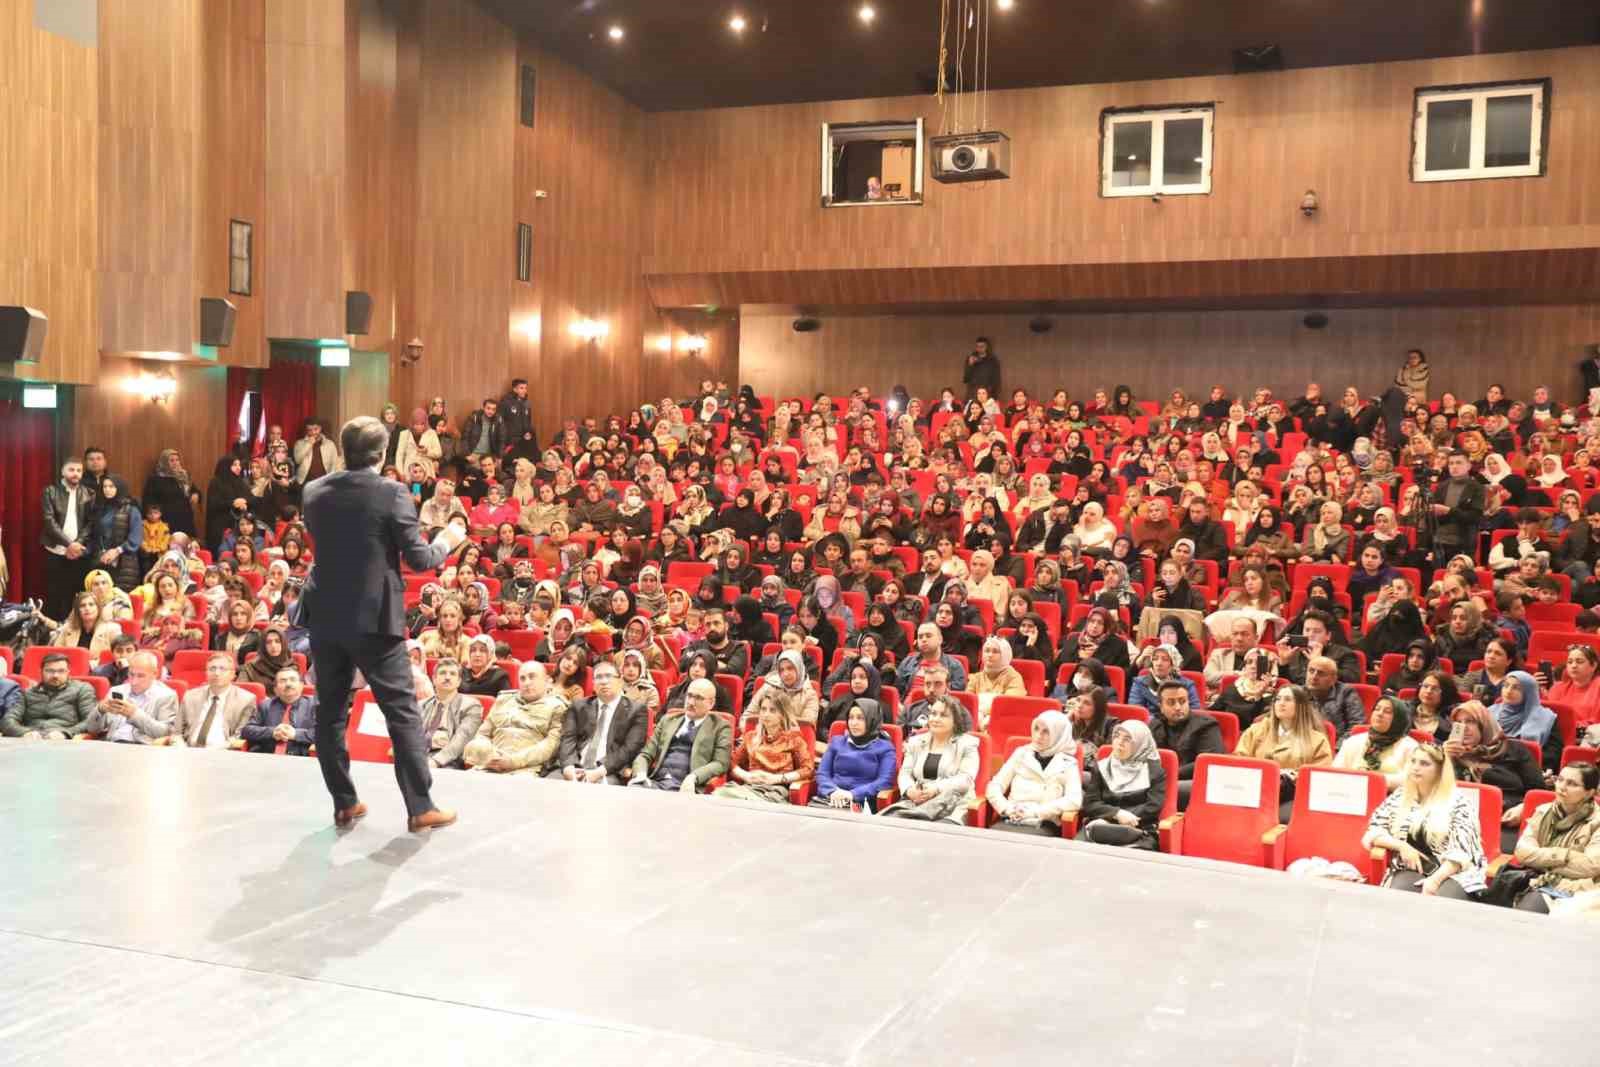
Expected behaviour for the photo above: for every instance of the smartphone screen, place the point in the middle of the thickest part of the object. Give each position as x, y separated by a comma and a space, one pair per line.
1457, 730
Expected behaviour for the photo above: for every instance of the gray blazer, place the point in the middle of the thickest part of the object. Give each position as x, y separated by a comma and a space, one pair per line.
157, 719
459, 725
236, 708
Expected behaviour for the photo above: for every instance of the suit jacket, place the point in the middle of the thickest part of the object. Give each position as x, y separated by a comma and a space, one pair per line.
460, 723
236, 708
363, 526
624, 741
158, 718
1459, 525
711, 755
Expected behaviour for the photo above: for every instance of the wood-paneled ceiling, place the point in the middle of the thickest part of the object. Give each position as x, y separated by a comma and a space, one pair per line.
681, 54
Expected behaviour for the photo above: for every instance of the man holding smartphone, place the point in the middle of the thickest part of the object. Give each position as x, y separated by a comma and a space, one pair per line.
142, 711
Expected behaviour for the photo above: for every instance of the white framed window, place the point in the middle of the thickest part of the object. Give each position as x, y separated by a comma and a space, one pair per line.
1462, 133
872, 164
1156, 150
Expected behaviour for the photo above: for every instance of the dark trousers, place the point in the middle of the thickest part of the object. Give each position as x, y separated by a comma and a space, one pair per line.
1411, 881
63, 580
383, 662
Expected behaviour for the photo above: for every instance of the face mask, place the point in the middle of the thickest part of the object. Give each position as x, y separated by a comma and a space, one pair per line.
1082, 683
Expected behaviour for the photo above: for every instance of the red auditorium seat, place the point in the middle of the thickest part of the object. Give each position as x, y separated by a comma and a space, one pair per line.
1233, 812
1331, 809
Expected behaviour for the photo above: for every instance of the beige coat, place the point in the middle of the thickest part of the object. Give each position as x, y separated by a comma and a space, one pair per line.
409, 451
527, 735
1261, 742
236, 708
1576, 868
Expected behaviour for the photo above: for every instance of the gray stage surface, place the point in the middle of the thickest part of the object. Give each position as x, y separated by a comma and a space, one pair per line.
175, 907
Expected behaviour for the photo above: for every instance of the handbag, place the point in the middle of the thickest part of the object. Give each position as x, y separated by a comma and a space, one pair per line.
1509, 884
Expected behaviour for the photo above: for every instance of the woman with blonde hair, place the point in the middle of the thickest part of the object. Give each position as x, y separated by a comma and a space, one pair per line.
1292, 737
1328, 541
771, 757
1430, 830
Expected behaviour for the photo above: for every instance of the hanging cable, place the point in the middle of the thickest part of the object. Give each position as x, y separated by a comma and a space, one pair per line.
944, 56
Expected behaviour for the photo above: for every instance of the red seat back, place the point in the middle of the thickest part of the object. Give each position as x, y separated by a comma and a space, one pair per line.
190, 661
1490, 805
1531, 802
1228, 724
367, 734
78, 662
1331, 809
1032, 672
1014, 715
1234, 802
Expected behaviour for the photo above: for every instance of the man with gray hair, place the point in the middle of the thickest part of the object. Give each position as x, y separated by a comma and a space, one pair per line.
353, 605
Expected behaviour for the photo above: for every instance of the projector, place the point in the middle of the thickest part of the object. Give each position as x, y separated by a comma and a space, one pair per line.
971, 157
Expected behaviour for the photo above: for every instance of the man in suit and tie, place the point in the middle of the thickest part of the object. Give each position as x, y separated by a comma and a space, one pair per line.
603, 734
689, 748
354, 607
288, 717
213, 716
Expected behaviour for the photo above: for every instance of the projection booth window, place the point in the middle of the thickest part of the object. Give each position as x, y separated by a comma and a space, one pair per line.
871, 164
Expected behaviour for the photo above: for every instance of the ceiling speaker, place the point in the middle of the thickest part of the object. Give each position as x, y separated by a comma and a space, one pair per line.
22, 333
1041, 325
806, 325
1315, 321
216, 322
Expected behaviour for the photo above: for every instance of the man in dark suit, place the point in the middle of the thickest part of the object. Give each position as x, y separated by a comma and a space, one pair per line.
603, 734
354, 607
1458, 504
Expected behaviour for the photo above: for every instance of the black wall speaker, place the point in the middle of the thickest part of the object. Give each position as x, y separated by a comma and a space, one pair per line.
22, 333
1041, 325
1315, 321
357, 311
216, 322
806, 325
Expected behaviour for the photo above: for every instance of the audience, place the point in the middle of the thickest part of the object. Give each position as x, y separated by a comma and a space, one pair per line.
1429, 828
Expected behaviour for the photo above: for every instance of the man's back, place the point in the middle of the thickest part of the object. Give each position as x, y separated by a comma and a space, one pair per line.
361, 525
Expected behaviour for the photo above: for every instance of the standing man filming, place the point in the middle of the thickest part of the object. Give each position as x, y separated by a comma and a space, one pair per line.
354, 607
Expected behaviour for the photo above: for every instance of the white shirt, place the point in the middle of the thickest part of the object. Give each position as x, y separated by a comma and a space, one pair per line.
218, 737
69, 525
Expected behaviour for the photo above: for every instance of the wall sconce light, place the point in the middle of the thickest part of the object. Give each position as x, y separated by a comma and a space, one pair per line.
1309, 203
694, 343
664, 343
157, 387
590, 329
412, 353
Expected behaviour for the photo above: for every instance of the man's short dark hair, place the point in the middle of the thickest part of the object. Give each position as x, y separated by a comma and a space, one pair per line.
1458, 454
1172, 683
1320, 616
123, 641
55, 657
491, 400
91, 450
1527, 515
363, 440
518, 381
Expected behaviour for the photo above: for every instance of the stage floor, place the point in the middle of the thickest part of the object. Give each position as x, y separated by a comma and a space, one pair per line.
177, 907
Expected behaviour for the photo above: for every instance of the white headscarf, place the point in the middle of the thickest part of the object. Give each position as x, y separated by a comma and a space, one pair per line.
1550, 470
1060, 727
1132, 774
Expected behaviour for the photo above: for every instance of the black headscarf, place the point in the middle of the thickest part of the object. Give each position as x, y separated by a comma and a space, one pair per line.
872, 712
1399, 629
619, 620
748, 624
1379, 743
1184, 644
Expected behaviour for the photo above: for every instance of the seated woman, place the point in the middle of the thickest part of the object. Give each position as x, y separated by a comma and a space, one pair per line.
1561, 842
1172, 592
1032, 640
638, 685
940, 767
1578, 687
115, 604
773, 756
86, 627
1386, 747
866, 683
1250, 694
1292, 737
857, 765
239, 635
1126, 790
1327, 541
994, 677
1116, 592
1099, 637
1465, 638
1163, 667
566, 677
1499, 661
1523, 718
1481, 752
1420, 659
701, 663
789, 678
262, 668
1437, 697
1430, 829
1041, 783
168, 635
522, 731
167, 596
956, 639
420, 682
482, 676
1089, 674
1173, 632
448, 637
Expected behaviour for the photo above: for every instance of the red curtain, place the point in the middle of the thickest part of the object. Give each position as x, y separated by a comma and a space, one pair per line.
289, 395
27, 441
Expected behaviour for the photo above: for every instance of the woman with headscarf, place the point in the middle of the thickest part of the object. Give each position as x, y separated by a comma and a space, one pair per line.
1431, 831
773, 601
1116, 591
274, 656
701, 663
1271, 533
1386, 747
557, 636
994, 677
865, 684
115, 533
1249, 694
1497, 472
638, 684
1551, 475
418, 443
1560, 845
1400, 630
1523, 718
746, 622
1126, 790
734, 568
480, 674
881, 623
1420, 658
1041, 783
826, 592
166, 635
170, 489
115, 604
857, 765
227, 497
789, 677
1481, 752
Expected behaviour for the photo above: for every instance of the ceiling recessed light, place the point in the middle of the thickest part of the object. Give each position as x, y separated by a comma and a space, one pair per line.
615, 33
867, 13
1005, 5
736, 24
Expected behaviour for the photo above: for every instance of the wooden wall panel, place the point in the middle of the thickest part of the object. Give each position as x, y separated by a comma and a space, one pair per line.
49, 200
232, 163
720, 205
148, 120
1155, 352
464, 235
133, 431
672, 370
301, 246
